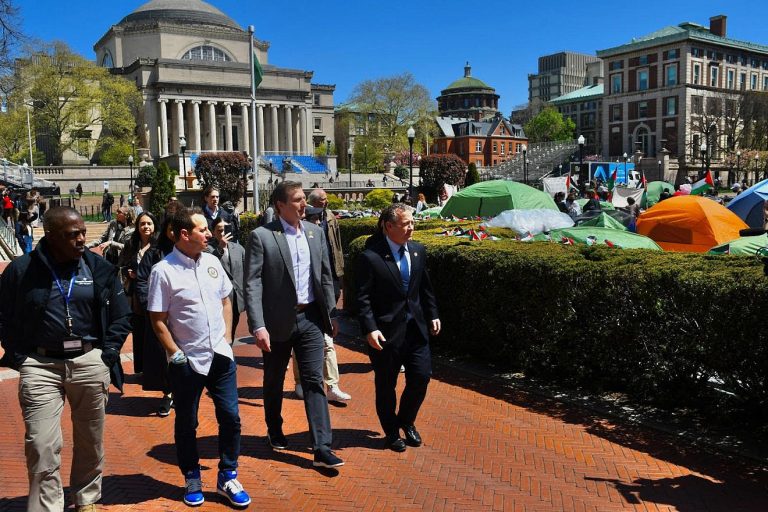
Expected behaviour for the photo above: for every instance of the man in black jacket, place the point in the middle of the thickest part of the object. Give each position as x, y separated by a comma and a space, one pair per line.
398, 312
63, 319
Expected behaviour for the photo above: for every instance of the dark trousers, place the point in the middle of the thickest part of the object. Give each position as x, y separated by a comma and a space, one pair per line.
187, 386
138, 324
308, 343
414, 354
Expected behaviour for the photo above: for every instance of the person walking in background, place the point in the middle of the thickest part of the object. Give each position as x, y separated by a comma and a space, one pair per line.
191, 315
8, 208
421, 204
398, 312
107, 200
33, 206
232, 257
118, 232
63, 321
290, 304
24, 233
79, 190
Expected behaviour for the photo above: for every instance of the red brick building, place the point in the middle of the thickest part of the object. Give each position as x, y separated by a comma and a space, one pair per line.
484, 143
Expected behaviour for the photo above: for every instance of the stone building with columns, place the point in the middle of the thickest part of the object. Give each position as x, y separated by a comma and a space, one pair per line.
191, 63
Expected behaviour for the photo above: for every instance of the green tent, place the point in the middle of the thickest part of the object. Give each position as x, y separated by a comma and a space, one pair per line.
655, 188
490, 198
430, 213
604, 221
744, 246
623, 239
605, 205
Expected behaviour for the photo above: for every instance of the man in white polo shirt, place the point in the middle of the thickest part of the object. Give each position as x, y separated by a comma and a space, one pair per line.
191, 315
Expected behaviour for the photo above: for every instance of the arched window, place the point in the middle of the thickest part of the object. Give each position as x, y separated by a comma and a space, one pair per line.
206, 52
106, 61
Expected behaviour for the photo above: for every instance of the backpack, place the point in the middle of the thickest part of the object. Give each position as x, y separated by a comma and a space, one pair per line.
110, 199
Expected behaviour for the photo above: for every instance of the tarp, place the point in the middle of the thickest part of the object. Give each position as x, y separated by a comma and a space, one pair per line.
749, 204
531, 221
623, 217
430, 213
744, 246
554, 185
604, 221
489, 198
689, 224
581, 234
605, 205
621, 194
655, 188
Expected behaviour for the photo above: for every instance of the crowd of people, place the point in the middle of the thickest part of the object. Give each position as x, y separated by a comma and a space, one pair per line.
179, 285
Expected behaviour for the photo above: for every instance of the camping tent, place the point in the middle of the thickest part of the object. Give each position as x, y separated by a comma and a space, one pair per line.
430, 213
623, 239
689, 224
749, 204
489, 198
655, 188
605, 205
604, 220
745, 246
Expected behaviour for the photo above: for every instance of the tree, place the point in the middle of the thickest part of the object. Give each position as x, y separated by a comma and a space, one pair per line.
145, 176
10, 34
368, 153
322, 150
438, 170
163, 189
223, 171
378, 198
549, 125
71, 97
472, 175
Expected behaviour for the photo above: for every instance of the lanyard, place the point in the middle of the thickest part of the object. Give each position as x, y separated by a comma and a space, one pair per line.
67, 297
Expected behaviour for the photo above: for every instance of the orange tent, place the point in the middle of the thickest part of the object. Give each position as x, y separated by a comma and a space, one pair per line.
689, 224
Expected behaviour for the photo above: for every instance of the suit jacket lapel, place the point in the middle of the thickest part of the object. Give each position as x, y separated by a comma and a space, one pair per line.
315, 250
415, 263
285, 252
390, 262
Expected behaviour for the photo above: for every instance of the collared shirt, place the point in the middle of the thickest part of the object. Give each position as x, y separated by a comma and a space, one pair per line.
300, 258
213, 213
395, 249
191, 293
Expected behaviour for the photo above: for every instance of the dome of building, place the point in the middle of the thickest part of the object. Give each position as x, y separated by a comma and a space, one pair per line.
181, 11
467, 82
468, 97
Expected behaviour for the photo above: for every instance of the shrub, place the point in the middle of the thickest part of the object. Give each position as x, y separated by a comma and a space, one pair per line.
472, 175
378, 198
401, 172
335, 202
163, 188
223, 171
438, 170
145, 176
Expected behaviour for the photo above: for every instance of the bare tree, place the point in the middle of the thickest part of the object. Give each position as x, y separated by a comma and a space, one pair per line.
10, 32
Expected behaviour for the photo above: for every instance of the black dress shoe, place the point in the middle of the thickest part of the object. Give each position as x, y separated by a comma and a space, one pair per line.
277, 441
412, 437
327, 460
394, 443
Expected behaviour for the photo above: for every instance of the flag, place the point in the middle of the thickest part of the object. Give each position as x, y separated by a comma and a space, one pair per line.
703, 185
612, 180
568, 182
644, 182
258, 73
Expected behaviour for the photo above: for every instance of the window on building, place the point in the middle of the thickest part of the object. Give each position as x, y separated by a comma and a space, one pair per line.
502, 130
495, 147
466, 102
743, 60
106, 61
696, 73
697, 52
642, 60
616, 64
616, 83
518, 148
670, 106
731, 79
478, 146
742, 81
753, 82
316, 100
642, 79
730, 59
697, 104
477, 102
713, 75
755, 62
502, 148
318, 124
615, 112
206, 52
671, 75
673, 54
765, 82
642, 109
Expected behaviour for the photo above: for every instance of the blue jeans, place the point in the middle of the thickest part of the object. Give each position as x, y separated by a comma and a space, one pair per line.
187, 387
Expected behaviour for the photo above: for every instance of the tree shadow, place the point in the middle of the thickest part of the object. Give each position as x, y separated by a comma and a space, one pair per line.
138, 488
355, 368
136, 406
250, 361
247, 394
19, 503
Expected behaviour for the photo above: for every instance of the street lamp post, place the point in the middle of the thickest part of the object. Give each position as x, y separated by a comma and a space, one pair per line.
130, 183
581, 141
245, 183
411, 135
757, 160
703, 149
738, 164
349, 159
183, 149
659, 174
625, 156
525, 164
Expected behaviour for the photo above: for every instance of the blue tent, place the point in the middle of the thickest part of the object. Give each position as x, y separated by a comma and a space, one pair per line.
749, 204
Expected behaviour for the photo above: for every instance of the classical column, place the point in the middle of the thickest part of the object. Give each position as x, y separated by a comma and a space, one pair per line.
212, 124
303, 130
197, 139
260, 128
246, 122
288, 130
163, 127
275, 135
179, 125
228, 118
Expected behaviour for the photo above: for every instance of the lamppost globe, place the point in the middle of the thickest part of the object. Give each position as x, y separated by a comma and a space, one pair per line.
525, 163
130, 183
183, 149
349, 157
411, 133
581, 140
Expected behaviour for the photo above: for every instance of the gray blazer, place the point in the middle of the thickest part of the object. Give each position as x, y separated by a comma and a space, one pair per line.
270, 286
234, 266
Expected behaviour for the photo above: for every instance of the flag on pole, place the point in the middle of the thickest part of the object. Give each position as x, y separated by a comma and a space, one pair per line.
703, 185
568, 182
258, 73
644, 182
612, 183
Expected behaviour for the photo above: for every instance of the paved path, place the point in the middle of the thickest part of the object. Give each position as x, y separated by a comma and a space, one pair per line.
487, 447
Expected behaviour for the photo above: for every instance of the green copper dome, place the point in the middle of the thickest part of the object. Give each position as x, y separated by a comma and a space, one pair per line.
468, 82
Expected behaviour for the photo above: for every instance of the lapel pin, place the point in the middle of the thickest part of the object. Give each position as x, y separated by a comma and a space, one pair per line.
415, 254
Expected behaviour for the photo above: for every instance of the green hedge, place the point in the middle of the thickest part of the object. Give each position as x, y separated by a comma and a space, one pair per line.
656, 325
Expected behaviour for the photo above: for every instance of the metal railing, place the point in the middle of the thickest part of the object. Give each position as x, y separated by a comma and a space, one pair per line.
21, 175
8, 240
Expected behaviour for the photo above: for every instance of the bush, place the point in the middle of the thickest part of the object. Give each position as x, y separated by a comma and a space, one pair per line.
472, 175
401, 172
656, 325
225, 172
145, 176
163, 188
335, 202
378, 198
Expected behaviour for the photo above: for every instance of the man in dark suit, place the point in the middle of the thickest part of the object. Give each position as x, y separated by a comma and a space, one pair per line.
232, 257
289, 302
397, 311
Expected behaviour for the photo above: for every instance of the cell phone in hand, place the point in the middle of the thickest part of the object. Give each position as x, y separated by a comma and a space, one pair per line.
228, 229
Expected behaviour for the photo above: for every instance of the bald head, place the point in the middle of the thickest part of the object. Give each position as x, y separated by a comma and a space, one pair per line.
64, 234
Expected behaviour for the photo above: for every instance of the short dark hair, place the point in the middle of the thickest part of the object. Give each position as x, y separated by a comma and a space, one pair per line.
56, 215
391, 212
218, 220
283, 189
209, 189
630, 201
182, 219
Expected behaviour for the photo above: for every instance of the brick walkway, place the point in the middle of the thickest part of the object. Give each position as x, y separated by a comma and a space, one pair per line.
487, 447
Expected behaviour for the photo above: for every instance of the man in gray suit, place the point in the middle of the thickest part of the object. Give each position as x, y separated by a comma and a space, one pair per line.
232, 257
290, 304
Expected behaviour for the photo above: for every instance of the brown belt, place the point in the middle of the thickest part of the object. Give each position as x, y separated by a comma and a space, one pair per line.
61, 354
302, 307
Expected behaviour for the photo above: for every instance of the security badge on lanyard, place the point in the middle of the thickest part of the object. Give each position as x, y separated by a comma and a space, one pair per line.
71, 343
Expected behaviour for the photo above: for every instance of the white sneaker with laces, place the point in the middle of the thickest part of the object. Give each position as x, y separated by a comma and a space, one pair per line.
335, 394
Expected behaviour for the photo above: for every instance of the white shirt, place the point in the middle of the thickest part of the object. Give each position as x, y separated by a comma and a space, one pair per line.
395, 248
191, 293
300, 258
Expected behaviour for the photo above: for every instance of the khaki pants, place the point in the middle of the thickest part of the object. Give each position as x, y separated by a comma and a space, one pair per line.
44, 383
330, 368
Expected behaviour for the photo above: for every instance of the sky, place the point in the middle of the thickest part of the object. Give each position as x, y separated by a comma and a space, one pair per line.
345, 42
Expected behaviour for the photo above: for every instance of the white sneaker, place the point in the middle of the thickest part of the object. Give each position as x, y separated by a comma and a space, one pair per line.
299, 392
337, 395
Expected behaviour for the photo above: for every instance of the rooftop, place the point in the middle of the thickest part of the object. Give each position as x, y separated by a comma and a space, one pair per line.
585, 93
184, 11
